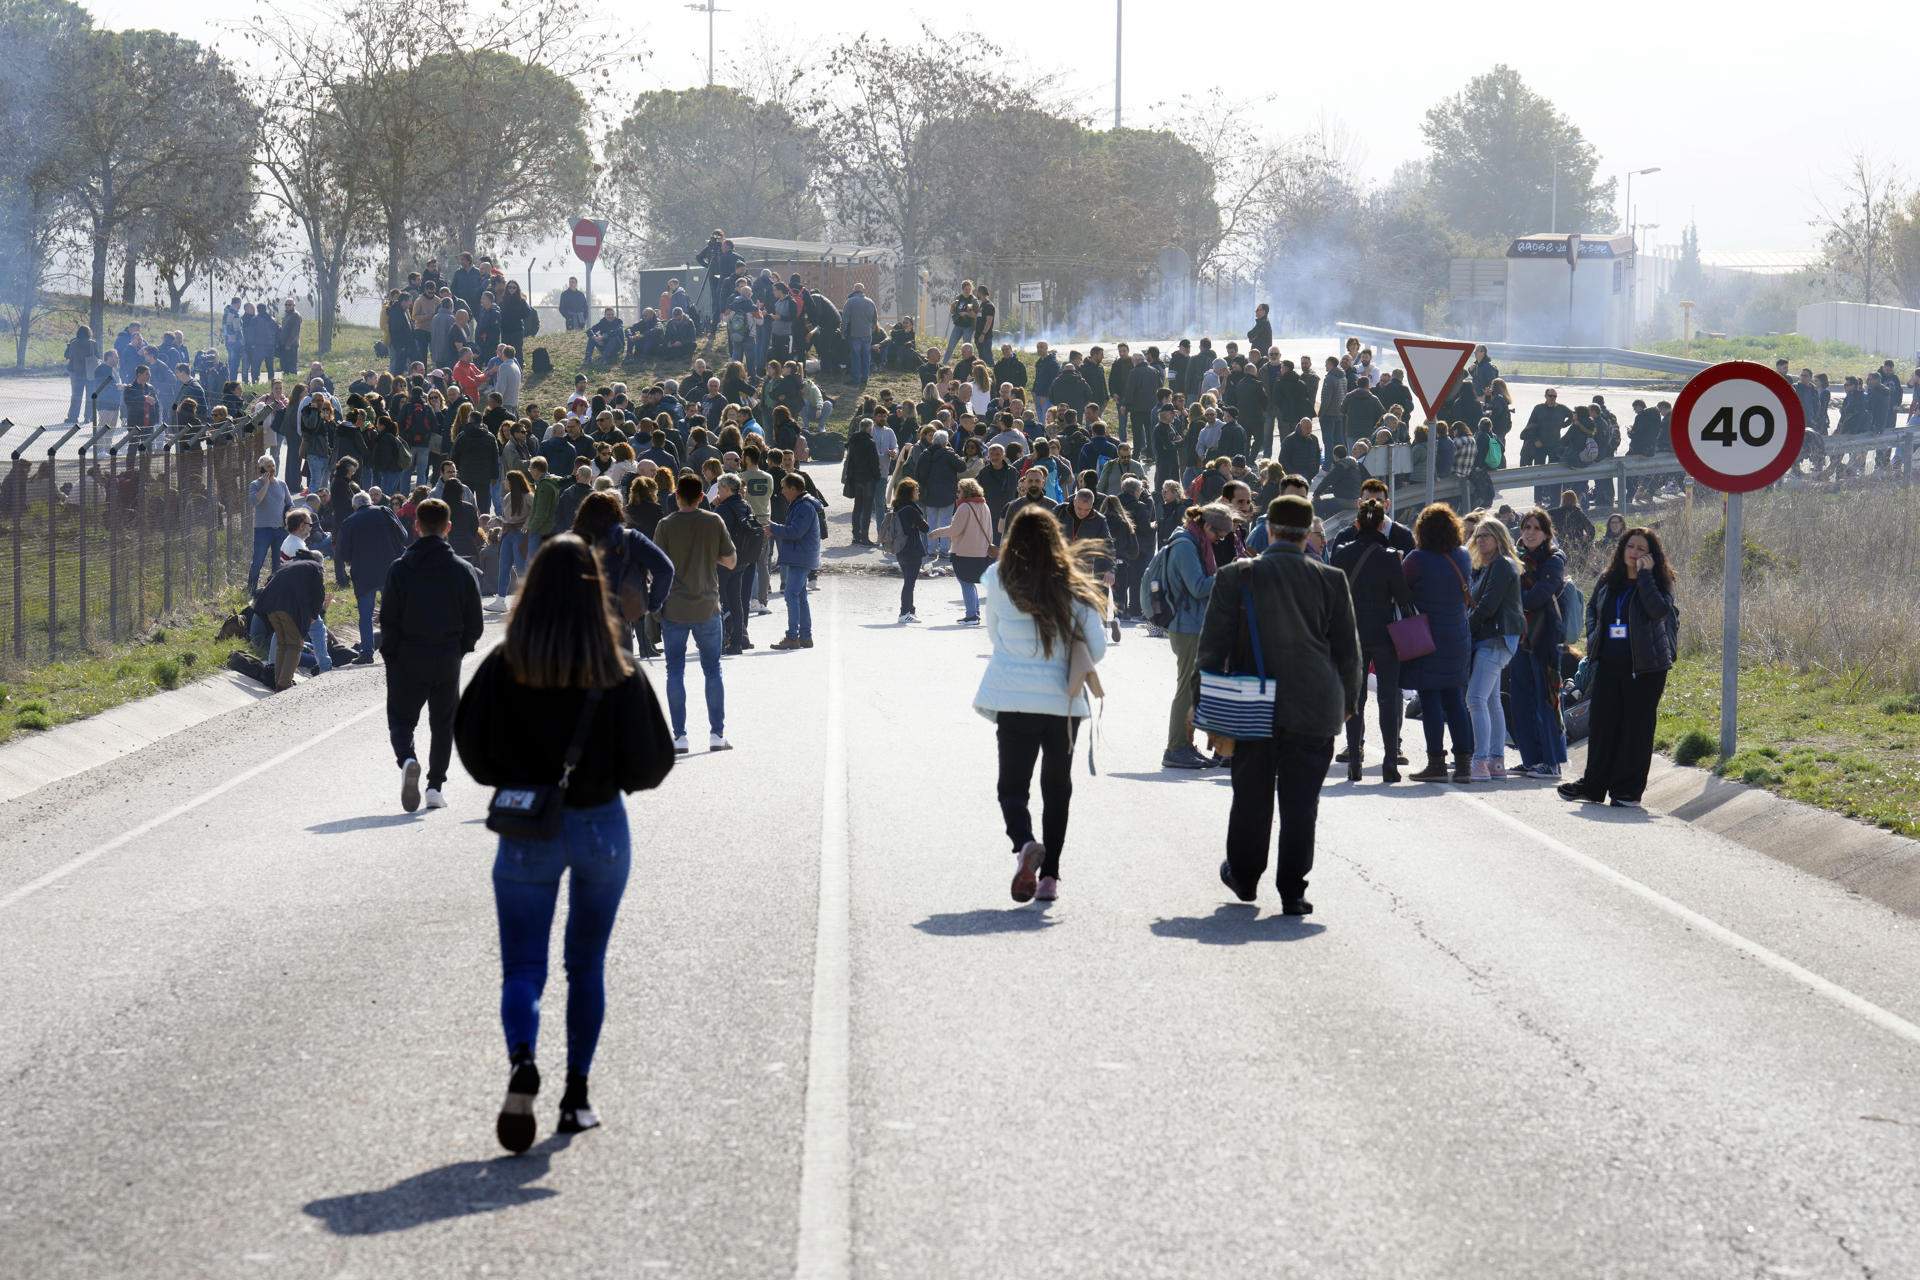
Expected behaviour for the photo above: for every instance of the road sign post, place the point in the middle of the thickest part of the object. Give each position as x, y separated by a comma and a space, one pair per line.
1029, 299
588, 237
1737, 427
1433, 365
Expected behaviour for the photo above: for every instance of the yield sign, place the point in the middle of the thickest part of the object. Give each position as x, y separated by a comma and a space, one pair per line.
587, 234
1432, 365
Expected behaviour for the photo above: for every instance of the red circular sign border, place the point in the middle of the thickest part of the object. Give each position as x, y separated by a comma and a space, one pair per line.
1705, 381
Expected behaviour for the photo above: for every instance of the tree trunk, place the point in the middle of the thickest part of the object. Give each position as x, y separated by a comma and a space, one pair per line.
129, 285
97, 310
396, 247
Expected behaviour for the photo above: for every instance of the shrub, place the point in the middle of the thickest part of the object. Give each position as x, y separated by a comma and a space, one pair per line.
33, 705
1908, 706
4, 691
25, 719
1694, 746
159, 636
166, 673
188, 658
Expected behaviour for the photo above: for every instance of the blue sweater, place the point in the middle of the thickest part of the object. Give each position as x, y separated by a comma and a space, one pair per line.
799, 537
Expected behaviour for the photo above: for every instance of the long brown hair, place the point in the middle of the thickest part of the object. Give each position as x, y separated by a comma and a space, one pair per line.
1044, 575
561, 634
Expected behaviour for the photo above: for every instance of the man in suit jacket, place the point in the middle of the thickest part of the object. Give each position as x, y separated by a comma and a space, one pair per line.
1304, 614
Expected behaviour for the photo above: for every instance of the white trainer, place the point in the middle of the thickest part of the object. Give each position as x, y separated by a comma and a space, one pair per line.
718, 742
434, 799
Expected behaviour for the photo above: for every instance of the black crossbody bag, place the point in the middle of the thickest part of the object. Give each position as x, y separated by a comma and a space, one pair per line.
534, 812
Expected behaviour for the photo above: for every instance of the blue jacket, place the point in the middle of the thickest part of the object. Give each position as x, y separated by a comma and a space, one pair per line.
1045, 370
1096, 451
1189, 585
799, 537
368, 543
627, 551
1441, 593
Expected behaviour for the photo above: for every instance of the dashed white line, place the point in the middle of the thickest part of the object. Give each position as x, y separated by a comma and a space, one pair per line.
825, 1247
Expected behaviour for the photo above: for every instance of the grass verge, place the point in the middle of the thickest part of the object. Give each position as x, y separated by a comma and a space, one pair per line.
1838, 744
177, 651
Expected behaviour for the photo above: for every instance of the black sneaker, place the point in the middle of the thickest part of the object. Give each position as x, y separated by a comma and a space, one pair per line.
516, 1126
576, 1113
1226, 878
1296, 907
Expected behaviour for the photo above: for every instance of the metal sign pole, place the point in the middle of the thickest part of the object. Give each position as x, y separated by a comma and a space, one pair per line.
1730, 633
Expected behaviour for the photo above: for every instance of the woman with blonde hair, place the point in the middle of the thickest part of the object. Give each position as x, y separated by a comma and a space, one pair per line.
1496, 621
1043, 603
559, 709
971, 532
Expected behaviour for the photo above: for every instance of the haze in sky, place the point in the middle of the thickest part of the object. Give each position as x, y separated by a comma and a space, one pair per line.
1749, 119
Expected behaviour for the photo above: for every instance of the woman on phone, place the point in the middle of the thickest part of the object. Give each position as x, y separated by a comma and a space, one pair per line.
1041, 599
559, 678
1632, 636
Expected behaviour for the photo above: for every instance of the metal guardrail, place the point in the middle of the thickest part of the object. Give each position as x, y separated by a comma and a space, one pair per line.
1526, 353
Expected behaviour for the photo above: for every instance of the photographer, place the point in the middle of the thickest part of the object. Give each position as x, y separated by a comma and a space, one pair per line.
722, 265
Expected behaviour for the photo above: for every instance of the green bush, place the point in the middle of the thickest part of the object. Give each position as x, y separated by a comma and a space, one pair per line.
25, 719
159, 636
4, 691
1694, 746
188, 658
1756, 561
1908, 706
166, 673
33, 705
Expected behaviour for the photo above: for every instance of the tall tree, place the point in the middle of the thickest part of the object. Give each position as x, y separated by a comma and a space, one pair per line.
877, 110
1858, 245
1903, 234
306, 153
1504, 162
119, 172
685, 161
38, 46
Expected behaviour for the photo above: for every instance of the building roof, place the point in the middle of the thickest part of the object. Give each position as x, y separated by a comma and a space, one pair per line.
822, 250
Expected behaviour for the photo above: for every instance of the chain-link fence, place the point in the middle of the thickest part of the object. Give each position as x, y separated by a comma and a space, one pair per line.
104, 531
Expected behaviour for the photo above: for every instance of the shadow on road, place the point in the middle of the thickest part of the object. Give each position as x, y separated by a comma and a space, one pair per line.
1217, 776
370, 822
451, 1191
1232, 924
966, 924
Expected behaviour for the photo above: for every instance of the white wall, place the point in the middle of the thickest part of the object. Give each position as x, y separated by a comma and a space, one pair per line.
1887, 331
1537, 302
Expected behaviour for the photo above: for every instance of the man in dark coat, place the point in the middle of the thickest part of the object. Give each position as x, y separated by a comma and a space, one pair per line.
365, 547
1260, 337
429, 618
1307, 631
1300, 452
1143, 390
1070, 390
293, 599
859, 473
1093, 369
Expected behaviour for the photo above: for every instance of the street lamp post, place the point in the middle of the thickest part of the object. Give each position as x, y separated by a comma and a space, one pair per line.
1633, 281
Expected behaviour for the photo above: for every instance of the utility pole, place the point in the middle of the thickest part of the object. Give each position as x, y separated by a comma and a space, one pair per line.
709, 9
1117, 24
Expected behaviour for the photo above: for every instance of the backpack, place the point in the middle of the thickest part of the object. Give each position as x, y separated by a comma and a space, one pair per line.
1589, 451
889, 532
1496, 455
751, 540
1156, 587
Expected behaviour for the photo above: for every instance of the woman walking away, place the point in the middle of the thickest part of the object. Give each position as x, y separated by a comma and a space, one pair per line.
1632, 632
1380, 594
1533, 679
516, 504
1496, 621
1042, 601
912, 524
1436, 571
559, 705
971, 531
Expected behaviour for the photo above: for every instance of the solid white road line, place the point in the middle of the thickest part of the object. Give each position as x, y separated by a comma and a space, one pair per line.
1833, 991
74, 864
825, 1248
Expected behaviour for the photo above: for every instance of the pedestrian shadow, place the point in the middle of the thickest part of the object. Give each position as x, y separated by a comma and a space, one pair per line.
1606, 813
986, 920
1232, 924
370, 822
1217, 776
457, 1190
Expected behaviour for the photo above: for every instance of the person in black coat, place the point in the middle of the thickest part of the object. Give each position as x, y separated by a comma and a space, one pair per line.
293, 599
1260, 337
366, 545
859, 474
1300, 452
1631, 627
1070, 390
1380, 596
429, 618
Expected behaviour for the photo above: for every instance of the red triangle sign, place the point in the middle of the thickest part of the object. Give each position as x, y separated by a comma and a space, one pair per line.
1432, 365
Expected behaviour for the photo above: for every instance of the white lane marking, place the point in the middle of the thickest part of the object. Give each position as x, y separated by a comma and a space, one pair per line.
1883, 1018
825, 1249
74, 864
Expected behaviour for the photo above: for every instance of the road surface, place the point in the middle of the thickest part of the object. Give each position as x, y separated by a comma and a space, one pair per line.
250, 1026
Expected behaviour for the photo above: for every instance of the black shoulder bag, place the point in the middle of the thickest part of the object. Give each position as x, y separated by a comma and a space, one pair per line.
534, 812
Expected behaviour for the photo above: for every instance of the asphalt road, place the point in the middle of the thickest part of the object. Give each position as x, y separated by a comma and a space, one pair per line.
250, 1026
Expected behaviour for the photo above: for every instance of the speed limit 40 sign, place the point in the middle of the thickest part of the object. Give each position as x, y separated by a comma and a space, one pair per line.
1738, 426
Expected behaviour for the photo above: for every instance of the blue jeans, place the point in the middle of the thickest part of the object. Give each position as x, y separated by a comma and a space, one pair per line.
1537, 731
708, 637
1490, 658
366, 600
860, 359
513, 555
939, 518
422, 463
391, 482
264, 541
1445, 711
955, 336
593, 844
793, 589
970, 597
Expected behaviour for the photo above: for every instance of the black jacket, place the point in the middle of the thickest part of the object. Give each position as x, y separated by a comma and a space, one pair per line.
862, 464
1379, 587
1096, 380
1300, 455
367, 544
1008, 369
1260, 337
431, 609
999, 486
510, 735
1307, 637
938, 470
1653, 623
297, 588
1069, 390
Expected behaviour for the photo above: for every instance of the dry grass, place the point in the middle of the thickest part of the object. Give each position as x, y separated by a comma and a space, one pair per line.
1829, 586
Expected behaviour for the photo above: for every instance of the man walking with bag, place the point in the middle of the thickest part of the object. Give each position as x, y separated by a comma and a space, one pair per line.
1298, 611
429, 618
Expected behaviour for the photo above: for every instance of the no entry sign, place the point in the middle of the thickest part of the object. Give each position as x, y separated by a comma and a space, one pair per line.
1738, 427
587, 235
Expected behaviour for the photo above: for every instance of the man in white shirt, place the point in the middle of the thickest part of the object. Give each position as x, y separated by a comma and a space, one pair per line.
887, 445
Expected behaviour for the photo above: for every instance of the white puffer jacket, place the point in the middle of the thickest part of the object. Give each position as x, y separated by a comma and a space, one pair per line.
1019, 676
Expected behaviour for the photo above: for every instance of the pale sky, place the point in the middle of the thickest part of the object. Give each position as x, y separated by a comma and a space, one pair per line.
1748, 119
